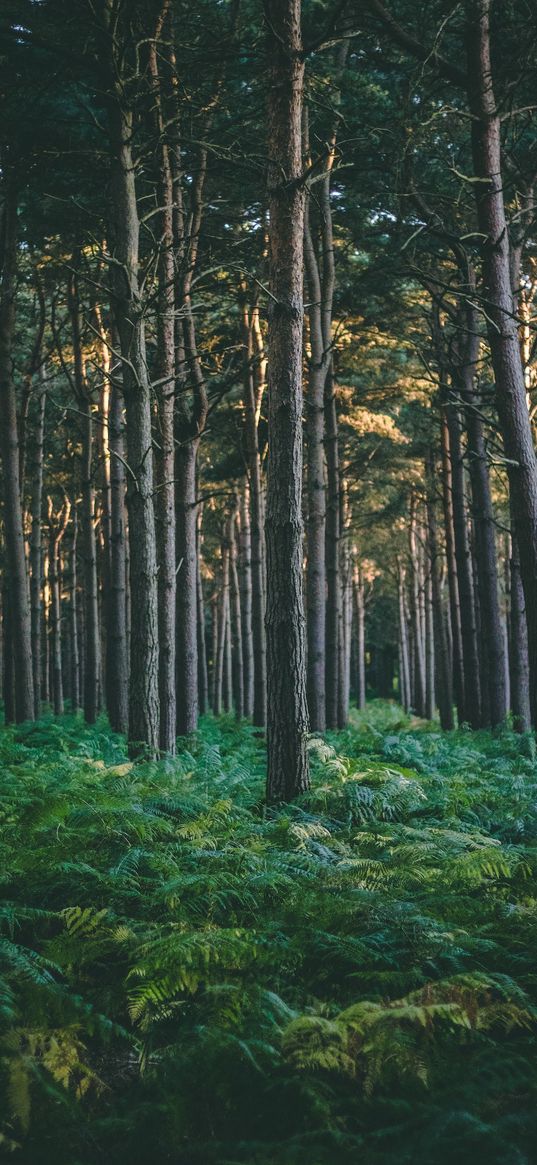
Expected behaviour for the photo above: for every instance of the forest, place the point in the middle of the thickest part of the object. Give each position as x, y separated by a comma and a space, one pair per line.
268, 582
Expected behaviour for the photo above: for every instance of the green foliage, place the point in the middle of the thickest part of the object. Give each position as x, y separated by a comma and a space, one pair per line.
190, 977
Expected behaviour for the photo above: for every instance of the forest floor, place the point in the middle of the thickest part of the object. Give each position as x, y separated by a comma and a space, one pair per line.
188, 977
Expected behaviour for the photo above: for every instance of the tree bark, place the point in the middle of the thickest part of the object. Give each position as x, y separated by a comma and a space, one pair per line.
316, 493
203, 679
89, 542
74, 657
492, 641
463, 555
223, 617
430, 697
443, 670
57, 528
461, 698
359, 599
404, 656
252, 402
236, 620
519, 667
245, 547
501, 322
287, 723
144, 735
117, 667
19, 599
415, 615
187, 587
36, 540
333, 518
165, 372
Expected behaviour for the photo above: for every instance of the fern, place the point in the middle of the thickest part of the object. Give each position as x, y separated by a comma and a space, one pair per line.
186, 974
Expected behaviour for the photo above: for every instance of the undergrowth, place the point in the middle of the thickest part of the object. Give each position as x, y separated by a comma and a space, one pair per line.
188, 977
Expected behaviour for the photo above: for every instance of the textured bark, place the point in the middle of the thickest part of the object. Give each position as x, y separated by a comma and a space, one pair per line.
105, 483
92, 650
344, 636
519, 668
165, 374
45, 636
227, 693
245, 557
462, 698
144, 649
501, 322
187, 588
203, 678
404, 656
316, 493
465, 582
252, 403
8, 662
492, 640
74, 653
192, 416
430, 695
19, 600
418, 646
222, 622
443, 670
214, 651
359, 600
36, 541
347, 638
236, 618
333, 581
287, 721
57, 527
117, 668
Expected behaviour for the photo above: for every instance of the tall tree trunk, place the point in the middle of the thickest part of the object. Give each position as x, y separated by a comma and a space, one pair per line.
347, 636
165, 371
92, 650
187, 587
316, 494
333, 517
8, 661
462, 698
203, 679
518, 654
117, 665
252, 404
492, 641
74, 658
415, 614
236, 620
359, 599
463, 555
345, 568
36, 541
19, 599
57, 528
404, 655
214, 650
443, 670
91, 584
430, 701
245, 546
144, 735
287, 722
501, 322
223, 617
45, 634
